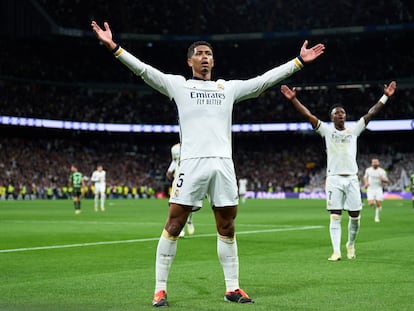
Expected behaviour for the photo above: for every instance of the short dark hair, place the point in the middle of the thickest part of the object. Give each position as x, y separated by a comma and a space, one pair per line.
191, 48
333, 107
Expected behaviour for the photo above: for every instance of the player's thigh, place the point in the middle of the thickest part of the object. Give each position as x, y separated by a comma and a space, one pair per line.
375, 195
379, 195
191, 184
353, 201
179, 212
370, 195
102, 188
335, 198
223, 186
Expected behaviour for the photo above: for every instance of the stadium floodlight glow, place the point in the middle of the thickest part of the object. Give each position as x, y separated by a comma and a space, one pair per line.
380, 125
56, 124
110, 127
391, 125
353, 86
76, 125
311, 87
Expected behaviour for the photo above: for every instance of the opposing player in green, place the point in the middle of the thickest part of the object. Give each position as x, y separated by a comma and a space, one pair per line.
76, 181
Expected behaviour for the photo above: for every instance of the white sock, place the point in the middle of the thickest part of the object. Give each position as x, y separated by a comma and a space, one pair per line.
102, 201
377, 211
166, 251
96, 201
353, 228
335, 232
228, 256
190, 218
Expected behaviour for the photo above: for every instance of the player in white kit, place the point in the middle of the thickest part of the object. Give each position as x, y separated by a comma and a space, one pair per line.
242, 189
99, 180
206, 166
374, 179
172, 173
342, 184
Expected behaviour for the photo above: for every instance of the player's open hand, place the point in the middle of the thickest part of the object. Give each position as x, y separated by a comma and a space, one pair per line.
312, 53
289, 93
104, 35
390, 89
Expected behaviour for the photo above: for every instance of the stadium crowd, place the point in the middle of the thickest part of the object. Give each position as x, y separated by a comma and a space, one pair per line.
232, 16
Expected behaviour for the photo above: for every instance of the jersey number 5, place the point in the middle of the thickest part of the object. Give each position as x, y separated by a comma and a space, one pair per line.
180, 180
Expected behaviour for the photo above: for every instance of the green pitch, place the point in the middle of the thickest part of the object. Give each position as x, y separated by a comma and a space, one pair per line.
52, 259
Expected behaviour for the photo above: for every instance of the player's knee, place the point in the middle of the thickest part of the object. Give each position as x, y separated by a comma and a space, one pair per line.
169, 236
226, 229
336, 217
174, 228
354, 214
354, 218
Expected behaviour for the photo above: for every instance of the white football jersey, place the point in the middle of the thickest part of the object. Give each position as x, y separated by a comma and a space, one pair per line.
242, 185
205, 107
373, 176
341, 147
98, 176
175, 155
175, 152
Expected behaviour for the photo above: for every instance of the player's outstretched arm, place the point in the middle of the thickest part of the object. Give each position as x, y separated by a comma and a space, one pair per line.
104, 35
290, 94
389, 91
312, 53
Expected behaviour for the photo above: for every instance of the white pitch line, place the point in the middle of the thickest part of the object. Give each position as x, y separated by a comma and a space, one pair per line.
151, 239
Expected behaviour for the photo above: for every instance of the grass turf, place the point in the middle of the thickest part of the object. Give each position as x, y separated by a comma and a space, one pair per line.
52, 259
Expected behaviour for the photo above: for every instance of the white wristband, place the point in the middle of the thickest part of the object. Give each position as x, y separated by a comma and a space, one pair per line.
383, 99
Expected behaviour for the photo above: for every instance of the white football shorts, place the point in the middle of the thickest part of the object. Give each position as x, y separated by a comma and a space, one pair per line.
100, 187
375, 194
198, 178
343, 193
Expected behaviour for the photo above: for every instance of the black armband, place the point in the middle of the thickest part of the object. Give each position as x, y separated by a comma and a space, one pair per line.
115, 49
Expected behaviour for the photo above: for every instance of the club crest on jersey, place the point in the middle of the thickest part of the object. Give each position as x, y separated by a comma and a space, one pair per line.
220, 86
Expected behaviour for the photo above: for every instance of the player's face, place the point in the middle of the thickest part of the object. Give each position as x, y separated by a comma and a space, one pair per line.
375, 163
338, 116
202, 60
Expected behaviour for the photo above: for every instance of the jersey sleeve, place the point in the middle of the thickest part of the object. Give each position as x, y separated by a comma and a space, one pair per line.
171, 167
93, 177
321, 128
252, 88
156, 79
359, 126
175, 152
